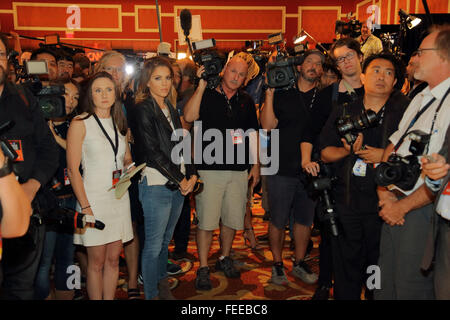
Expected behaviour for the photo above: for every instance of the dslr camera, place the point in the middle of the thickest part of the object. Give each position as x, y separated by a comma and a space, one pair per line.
320, 187
281, 73
403, 172
349, 127
205, 56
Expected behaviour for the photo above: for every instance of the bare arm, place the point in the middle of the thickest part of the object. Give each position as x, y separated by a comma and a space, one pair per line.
267, 117
191, 110
16, 206
75, 138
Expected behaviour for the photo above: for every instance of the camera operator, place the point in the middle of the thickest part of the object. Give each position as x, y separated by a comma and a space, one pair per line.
357, 244
407, 213
50, 57
437, 181
225, 108
35, 165
65, 66
58, 241
288, 112
370, 44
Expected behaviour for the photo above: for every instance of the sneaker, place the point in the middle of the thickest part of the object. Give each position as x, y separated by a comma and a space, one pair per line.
203, 281
302, 271
182, 256
227, 266
278, 274
322, 293
173, 269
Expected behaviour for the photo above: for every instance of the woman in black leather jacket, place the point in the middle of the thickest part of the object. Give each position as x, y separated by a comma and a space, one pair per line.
164, 183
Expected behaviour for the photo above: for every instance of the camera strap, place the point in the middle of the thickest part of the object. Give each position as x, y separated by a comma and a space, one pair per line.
418, 115
114, 147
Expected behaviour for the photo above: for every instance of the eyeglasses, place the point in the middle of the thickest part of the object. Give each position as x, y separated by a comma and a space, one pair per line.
420, 50
348, 56
112, 69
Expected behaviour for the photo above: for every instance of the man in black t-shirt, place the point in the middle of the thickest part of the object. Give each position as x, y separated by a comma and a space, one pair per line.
225, 165
357, 245
286, 112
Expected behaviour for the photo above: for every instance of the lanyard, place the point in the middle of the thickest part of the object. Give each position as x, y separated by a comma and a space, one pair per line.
114, 147
413, 121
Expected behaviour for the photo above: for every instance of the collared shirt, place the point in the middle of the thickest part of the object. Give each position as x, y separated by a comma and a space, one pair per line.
424, 123
372, 45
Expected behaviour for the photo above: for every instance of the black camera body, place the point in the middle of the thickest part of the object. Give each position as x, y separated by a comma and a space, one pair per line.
351, 28
320, 187
205, 56
349, 127
50, 98
281, 73
403, 171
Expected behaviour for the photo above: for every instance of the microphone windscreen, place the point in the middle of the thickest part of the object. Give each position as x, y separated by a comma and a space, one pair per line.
186, 21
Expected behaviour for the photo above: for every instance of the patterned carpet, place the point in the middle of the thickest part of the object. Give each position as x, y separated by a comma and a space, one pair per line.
255, 270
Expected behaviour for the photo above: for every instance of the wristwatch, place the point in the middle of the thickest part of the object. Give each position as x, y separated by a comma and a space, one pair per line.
7, 168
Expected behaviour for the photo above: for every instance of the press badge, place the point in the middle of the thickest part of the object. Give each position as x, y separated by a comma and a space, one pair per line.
66, 178
116, 176
17, 146
237, 136
447, 190
359, 169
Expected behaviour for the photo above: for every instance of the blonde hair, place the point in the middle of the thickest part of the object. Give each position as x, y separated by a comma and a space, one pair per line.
253, 68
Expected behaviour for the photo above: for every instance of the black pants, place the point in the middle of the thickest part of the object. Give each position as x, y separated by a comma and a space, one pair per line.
20, 263
355, 248
183, 228
325, 256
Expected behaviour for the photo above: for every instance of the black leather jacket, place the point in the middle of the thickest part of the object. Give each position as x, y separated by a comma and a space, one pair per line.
152, 139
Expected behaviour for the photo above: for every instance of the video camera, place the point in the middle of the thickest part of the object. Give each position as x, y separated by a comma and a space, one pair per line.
281, 73
50, 98
348, 127
351, 28
320, 187
253, 47
403, 171
205, 56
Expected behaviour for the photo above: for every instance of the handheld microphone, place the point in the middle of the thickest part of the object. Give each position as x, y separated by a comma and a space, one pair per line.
186, 21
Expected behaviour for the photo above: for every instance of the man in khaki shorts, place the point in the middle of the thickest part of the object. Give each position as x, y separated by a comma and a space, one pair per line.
229, 115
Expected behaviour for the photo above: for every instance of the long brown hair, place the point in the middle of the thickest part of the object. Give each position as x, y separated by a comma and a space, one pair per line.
116, 109
150, 65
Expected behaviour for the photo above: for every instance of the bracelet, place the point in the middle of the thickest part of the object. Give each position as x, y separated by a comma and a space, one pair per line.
86, 207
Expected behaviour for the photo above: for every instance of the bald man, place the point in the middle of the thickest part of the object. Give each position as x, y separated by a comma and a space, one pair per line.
229, 115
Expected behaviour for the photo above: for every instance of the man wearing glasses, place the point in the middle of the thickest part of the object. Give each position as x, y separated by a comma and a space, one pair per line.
348, 57
408, 213
229, 111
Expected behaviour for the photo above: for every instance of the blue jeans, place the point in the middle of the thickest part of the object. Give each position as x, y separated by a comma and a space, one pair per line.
162, 208
60, 245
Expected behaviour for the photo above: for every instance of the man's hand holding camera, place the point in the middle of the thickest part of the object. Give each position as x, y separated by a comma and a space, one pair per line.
356, 146
370, 154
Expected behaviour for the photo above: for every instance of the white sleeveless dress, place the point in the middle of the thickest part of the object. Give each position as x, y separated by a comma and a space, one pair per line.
97, 161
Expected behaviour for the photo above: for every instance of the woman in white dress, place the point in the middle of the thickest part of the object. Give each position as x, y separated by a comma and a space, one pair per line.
96, 139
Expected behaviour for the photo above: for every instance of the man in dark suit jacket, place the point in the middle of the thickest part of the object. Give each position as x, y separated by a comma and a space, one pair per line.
437, 180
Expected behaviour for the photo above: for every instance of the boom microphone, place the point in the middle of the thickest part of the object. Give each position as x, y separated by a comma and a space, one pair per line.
186, 21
